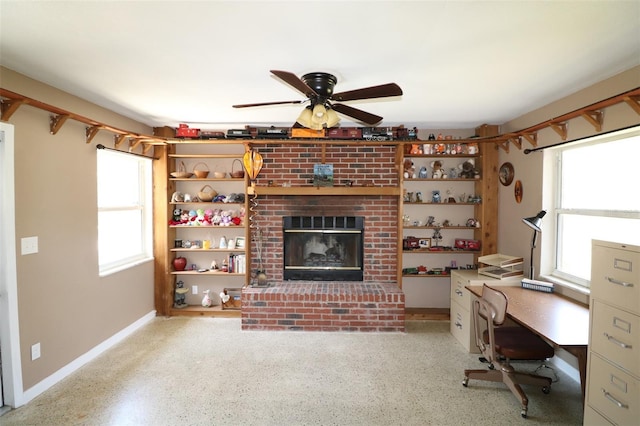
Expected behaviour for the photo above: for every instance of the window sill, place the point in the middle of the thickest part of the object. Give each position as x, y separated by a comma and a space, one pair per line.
569, 289
116, 269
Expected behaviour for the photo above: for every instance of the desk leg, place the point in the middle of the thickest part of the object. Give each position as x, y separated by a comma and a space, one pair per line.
580, 352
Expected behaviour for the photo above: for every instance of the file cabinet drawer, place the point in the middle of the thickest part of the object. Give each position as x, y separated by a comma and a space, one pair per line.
616, 336
615, 276
461, 326
458, 292
613, 392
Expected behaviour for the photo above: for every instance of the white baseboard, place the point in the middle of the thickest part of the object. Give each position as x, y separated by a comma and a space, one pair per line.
77, 363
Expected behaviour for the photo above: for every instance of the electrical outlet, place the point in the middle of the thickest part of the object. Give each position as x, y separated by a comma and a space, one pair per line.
35, 351
194, 289
29, 245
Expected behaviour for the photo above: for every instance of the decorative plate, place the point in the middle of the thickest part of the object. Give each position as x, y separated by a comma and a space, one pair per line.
517, 191
506, 174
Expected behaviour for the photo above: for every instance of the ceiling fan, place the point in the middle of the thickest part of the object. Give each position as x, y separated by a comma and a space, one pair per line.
318, 89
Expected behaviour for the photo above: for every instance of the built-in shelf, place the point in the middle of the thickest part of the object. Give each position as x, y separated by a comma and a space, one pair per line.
196, 310
191, 272
323, 190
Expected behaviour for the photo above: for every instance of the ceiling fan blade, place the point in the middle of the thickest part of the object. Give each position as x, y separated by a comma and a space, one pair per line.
295, 82
358, 114
382, 91
267, 103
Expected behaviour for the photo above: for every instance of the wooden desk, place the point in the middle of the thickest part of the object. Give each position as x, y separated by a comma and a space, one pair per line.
560, 320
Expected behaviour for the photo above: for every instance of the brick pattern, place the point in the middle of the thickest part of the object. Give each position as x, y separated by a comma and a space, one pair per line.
324, 306
294, 164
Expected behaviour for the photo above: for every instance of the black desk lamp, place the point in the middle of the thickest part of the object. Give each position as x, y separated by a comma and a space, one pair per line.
534, 223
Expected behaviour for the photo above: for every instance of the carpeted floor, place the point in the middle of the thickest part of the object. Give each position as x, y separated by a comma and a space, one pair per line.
206, 371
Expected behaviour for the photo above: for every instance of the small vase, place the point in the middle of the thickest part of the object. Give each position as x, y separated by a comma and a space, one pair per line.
179, 263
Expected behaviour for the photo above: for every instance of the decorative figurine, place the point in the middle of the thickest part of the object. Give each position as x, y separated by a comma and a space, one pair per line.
179, 296
206, 300
435, 197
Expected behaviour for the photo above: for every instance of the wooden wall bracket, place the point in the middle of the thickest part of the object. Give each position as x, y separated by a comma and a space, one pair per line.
56, 122
91, 132
118, 139
531, 137
634, 102
9, 106
560, 128
595, 117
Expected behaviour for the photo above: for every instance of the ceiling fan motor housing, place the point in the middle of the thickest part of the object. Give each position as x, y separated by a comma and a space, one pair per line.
322, 82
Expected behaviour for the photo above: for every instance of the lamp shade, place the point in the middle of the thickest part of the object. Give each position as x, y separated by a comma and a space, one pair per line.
319, 115
536, 221
305, 117
332, 118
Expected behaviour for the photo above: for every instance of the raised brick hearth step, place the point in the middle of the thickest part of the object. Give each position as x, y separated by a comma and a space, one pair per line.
324, 306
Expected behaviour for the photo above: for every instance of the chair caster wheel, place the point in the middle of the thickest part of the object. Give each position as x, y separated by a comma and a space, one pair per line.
546, 390
523, 413
465, 382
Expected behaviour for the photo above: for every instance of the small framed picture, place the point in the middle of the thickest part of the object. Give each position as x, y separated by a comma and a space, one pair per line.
240, 242
424, 243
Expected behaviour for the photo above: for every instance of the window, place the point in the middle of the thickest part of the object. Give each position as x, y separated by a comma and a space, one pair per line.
124, 210
598, 198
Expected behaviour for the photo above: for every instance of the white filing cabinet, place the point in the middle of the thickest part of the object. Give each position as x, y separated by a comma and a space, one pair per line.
613, 370
461, 303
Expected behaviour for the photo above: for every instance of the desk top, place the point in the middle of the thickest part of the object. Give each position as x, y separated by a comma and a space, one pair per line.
554, 317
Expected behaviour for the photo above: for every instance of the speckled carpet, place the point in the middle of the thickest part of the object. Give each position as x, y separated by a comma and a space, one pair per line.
206, 371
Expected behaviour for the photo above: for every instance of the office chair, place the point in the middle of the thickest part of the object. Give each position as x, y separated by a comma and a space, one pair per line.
501, 344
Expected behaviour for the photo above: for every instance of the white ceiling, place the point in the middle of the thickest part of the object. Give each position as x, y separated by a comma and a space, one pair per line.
459, 63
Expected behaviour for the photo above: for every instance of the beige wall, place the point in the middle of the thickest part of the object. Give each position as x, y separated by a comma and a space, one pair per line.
513, 236
62, 302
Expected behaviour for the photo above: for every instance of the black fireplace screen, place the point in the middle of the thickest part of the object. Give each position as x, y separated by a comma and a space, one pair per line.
323, 248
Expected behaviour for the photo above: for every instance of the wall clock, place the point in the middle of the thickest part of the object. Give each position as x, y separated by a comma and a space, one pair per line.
506, 174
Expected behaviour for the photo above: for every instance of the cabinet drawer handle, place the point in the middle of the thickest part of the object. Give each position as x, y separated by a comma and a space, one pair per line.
617, 342
618, 282
458, 325
613, 399
458, 292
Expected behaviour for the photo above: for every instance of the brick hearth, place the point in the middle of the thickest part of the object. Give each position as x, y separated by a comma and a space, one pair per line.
324, 306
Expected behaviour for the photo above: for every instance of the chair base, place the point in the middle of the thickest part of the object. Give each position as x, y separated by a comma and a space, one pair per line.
513, 380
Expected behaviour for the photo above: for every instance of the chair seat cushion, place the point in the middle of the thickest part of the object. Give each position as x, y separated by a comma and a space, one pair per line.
520, 343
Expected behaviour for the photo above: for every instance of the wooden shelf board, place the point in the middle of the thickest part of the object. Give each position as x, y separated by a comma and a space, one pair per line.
236, 250
418, 314
205, 156
425, 251
233, 274
209, 179
214, 311
324, 190
426, 275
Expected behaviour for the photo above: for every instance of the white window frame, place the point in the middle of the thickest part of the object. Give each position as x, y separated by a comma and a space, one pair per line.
559, 212
142, 204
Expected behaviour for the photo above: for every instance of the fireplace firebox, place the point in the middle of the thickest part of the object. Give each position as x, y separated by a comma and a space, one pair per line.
323, 248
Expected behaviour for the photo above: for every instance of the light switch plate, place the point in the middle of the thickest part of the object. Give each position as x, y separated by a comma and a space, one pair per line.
29, 245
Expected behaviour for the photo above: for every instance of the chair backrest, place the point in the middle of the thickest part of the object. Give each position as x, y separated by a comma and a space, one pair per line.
489, 310
497, 300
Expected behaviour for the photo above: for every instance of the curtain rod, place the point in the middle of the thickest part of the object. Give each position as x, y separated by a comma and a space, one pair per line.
100, 146
541, 148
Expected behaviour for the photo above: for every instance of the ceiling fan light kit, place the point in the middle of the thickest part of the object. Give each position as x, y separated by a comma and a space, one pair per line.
318, 88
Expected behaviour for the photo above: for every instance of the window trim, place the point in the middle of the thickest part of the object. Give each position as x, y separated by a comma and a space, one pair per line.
144, 205
557, 276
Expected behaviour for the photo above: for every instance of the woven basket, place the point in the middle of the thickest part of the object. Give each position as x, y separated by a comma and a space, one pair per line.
204, 195
201, 173
237, 173
219, 172
182, 172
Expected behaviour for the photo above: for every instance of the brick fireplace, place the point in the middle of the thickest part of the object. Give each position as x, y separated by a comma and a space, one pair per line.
373, 304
